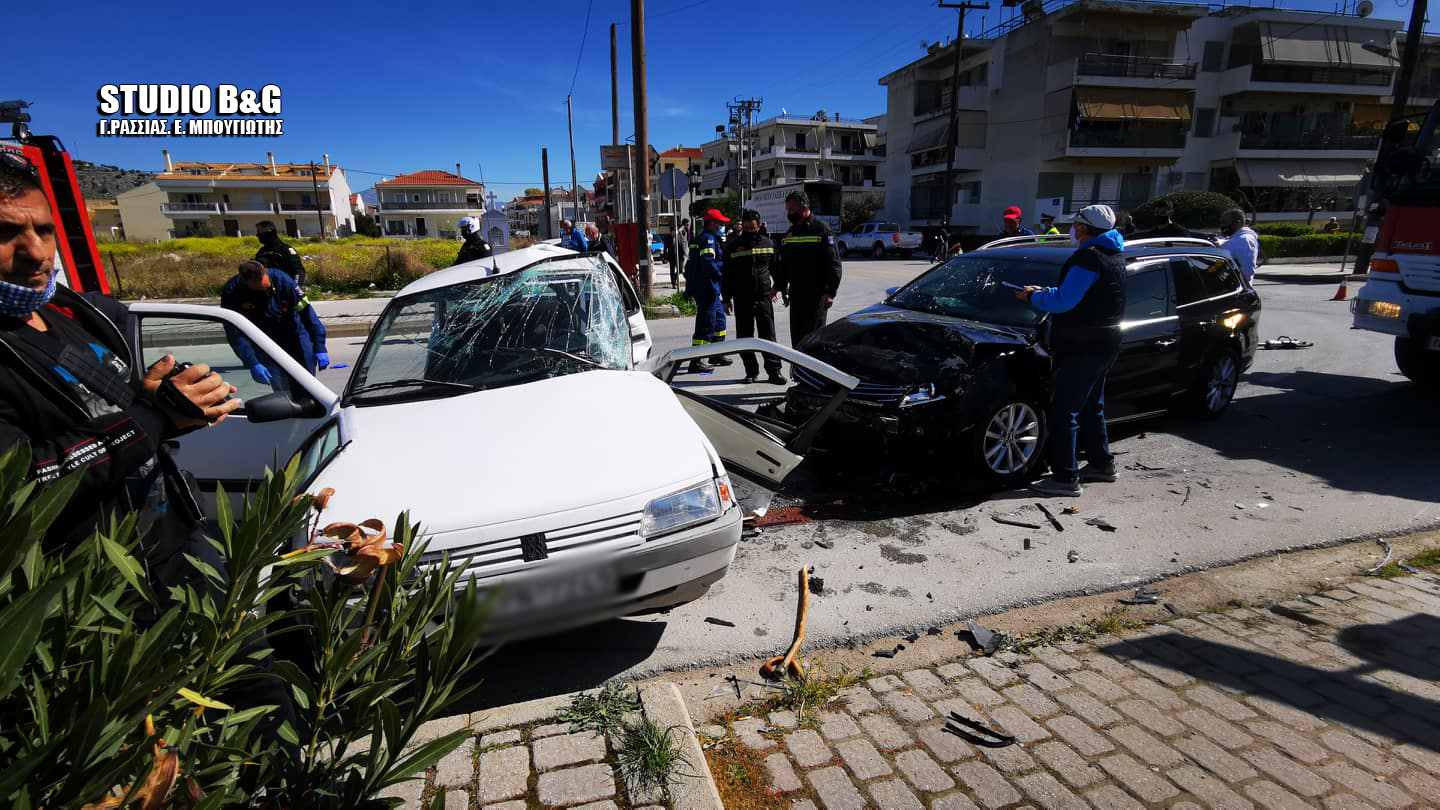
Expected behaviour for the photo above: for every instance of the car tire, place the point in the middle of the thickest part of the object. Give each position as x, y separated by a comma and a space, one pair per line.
878, 251
1215, 389
1008, 441
1420, 366
844, 251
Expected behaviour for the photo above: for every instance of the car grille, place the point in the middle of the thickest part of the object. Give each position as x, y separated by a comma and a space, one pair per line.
488, 557
867, 391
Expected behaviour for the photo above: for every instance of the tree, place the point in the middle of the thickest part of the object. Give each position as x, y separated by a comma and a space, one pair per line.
366, 225
534, 192
859, 209
1193, 209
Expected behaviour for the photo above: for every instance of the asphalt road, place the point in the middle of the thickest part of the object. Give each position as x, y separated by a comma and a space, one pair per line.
1320, 446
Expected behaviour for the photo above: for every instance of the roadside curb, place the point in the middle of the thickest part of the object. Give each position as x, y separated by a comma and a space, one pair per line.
1303, 277
696, 790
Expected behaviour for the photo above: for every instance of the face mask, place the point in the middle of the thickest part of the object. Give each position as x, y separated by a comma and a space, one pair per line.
794, 217
1227, 229
1074, 238
269, 238
20, 302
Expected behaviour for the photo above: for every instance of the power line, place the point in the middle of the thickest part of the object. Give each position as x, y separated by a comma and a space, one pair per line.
584, 34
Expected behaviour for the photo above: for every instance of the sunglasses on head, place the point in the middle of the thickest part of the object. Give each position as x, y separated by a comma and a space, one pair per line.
14, 162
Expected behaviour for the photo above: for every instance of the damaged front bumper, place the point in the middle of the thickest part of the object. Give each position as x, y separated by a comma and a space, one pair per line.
892, 426
665, 572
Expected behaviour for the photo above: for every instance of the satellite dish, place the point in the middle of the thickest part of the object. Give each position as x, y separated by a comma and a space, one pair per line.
1364, 8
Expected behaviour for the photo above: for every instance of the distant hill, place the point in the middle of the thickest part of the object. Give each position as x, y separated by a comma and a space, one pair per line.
98, 182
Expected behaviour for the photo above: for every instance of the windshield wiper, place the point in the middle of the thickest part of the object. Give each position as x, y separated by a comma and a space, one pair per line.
412, 382
589, 361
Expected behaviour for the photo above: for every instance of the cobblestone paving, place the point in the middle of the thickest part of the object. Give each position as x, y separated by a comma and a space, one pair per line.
1332, 701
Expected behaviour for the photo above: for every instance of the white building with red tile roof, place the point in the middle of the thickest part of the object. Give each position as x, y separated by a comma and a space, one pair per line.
427, 204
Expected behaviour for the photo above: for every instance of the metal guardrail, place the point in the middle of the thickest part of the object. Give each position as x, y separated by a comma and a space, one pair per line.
1321, 75
1366, 143
1134, 67
190, 207
1105, 139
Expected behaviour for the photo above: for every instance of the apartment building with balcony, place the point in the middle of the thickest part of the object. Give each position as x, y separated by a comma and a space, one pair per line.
1109, 101
427, 204
229, 199
790, 149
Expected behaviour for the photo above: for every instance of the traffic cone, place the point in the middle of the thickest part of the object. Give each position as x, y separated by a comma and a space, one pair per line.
1344, 291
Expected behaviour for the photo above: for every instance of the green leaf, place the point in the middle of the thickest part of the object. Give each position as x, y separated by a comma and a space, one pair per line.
128, 567
390, 724
205, 569
425, 756
47, 505
23, 619
287, 733
438, 802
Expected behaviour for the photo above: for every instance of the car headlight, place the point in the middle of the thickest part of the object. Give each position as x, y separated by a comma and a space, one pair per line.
922, 395
687, 507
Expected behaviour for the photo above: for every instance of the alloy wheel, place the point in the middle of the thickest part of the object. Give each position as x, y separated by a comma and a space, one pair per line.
1011, 438
1224, 374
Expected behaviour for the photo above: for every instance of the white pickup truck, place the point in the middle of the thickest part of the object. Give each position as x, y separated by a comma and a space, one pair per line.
878, 239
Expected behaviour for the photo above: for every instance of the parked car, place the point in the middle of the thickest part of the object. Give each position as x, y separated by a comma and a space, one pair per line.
954, 361
878, 239
509, 405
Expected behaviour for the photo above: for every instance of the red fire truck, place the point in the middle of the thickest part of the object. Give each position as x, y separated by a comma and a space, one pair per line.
76, 254
1402, 295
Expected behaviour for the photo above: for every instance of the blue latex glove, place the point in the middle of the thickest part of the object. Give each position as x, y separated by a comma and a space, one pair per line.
322, 359
261, 374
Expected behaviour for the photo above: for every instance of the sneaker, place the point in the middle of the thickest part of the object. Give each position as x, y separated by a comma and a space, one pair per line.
1057, 488
749, 379
722, 360
776, 379
1093, 472
700, 367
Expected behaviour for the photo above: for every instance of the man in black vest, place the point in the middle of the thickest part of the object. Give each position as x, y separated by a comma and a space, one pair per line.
1086, 307
808, 273
275, 253
749, 291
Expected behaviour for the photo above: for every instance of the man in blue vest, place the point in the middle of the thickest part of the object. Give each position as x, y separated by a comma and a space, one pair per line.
271, 300
702, 283
1086, 307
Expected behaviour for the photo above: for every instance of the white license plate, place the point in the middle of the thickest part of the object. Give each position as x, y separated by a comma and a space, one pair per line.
540, 595
1434, 344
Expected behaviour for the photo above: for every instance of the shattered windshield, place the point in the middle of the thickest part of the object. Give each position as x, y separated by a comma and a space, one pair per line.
559, 316
970, 287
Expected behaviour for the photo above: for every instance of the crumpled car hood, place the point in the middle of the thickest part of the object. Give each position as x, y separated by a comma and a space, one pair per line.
893, 346
512, 453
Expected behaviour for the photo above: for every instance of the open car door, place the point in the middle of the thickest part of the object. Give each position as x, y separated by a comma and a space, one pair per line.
275, 419
760, 452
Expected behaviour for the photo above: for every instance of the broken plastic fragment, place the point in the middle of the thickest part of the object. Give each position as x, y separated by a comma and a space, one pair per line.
987, 640
1100, 523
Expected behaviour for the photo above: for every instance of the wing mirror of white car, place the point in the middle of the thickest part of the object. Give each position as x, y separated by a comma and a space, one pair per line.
276, 407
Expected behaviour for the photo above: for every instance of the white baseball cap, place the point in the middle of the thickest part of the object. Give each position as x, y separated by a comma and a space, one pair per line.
1098, 217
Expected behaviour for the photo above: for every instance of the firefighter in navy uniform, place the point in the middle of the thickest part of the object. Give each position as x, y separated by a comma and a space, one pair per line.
274, 253
749, 291
808, 274
271, 301
702, 283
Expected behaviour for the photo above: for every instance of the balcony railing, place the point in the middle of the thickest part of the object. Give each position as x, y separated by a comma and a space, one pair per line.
1107, 139
442, 205
248, 208
297, 206
1320, 75
1317, 140
190, 208
1133, 67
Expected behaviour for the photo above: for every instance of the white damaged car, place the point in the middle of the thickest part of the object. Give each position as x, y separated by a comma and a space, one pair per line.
510, 405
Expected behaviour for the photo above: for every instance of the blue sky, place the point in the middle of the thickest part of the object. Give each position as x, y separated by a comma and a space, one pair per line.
394, 87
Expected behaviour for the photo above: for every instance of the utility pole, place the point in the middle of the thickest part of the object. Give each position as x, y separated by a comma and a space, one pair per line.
315, 184
641, 182
574, 186
742, 112
953, 137
614, 91
545, 169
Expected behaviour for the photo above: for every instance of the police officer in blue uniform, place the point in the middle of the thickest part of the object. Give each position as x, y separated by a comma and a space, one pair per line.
272, 301
702, 283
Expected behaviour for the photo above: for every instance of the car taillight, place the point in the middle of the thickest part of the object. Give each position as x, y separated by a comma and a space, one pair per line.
895, 237
1384, 266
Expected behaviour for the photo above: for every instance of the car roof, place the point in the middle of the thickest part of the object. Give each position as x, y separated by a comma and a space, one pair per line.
1057, 253
499, 264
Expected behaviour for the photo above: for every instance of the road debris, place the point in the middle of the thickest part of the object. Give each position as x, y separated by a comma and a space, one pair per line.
720, 622
825, 544
1175, 611
1143, 596
884, 653
1072, 555
1239, 505
1140, 466
1100, 523
934, 631
1050, 516
913, 637
1187, 495
1010, 522
1389, 552
1026, 544
976, 733
1070, 510
1286, 342
817, 585
788, 664
985, 639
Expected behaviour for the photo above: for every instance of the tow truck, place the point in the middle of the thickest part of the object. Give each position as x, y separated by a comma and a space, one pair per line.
76, 253
1401, 297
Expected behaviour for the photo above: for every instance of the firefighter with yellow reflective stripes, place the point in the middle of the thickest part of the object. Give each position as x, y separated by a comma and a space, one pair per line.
749, 291
808, 274
702, 283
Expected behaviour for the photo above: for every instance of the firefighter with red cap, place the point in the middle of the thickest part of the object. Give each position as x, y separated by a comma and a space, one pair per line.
1010, 220
702, 283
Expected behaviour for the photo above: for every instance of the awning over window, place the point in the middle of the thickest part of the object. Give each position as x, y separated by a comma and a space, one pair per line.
1308, 44
870, 140
1300, 173
715, 182
1129, 104
930, 135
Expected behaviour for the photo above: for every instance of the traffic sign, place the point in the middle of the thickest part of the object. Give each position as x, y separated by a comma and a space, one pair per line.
673, 184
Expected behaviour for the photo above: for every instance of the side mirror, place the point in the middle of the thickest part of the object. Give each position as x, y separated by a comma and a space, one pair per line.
889, 291
277, 407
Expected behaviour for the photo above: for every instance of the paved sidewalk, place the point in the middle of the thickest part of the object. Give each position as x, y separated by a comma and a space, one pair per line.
1332, 701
